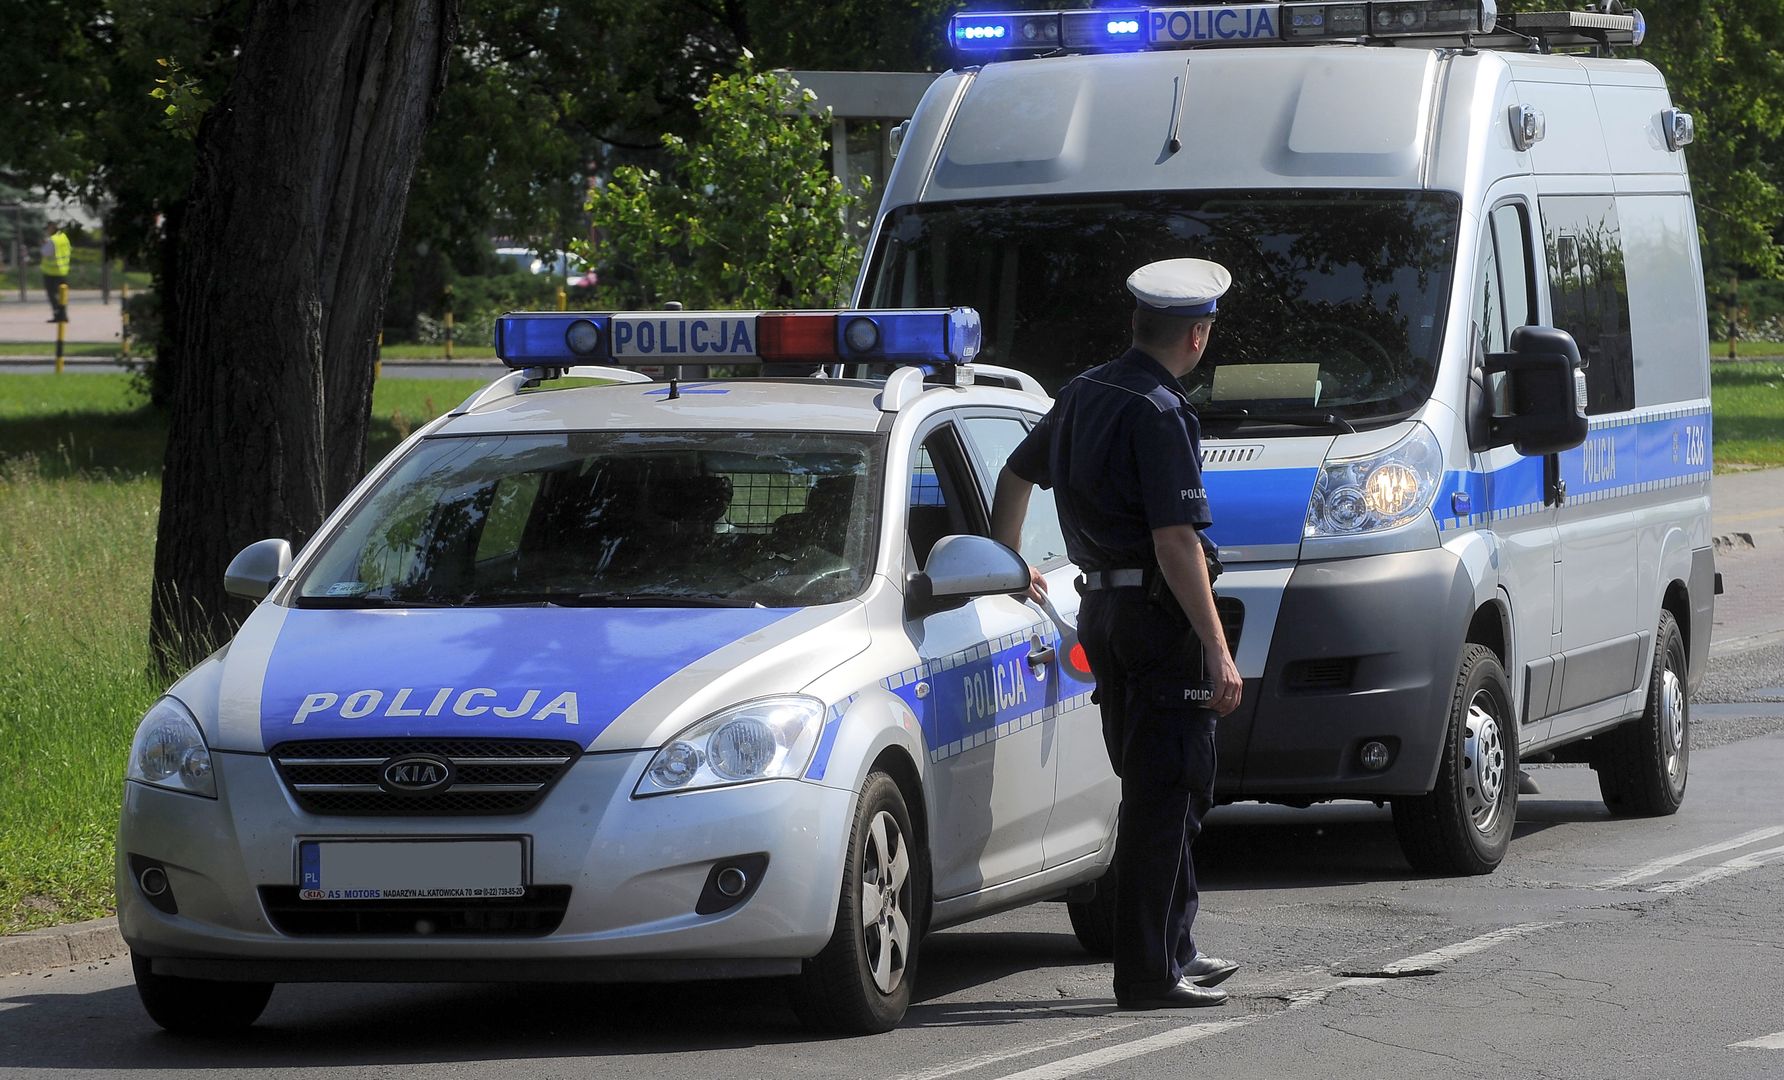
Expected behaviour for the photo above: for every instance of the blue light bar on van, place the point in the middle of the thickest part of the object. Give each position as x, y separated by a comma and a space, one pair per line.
558, 339
1117, 29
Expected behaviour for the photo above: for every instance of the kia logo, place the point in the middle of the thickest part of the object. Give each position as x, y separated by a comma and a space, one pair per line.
415, 774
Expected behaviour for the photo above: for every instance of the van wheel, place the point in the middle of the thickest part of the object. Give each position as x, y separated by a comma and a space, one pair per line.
861, 983
1644, 764
198, 1006
1464, 825
1093, 920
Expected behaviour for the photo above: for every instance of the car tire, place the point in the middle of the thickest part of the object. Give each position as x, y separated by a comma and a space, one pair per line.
1093, 920
198, 1006
860, 984
1463, 826
1643, 765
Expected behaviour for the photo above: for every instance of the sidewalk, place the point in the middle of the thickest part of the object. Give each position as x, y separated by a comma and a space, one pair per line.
1747, 509
88, 318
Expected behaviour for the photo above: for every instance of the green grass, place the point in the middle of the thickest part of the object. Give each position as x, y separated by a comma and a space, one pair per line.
460, 351
108, 349
1746, 349
80, 465
1747, 404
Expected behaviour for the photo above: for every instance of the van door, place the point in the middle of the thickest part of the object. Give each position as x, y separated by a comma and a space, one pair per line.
983, 710
1516, 504
1602, 639
1086, 791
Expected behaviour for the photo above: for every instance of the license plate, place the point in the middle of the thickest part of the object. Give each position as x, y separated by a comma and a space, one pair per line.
410, 870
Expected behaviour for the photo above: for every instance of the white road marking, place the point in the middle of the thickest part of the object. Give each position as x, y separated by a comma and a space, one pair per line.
1315, 995
1660, 865
1740, 864
1109, 1055
965, 1065
1764, 1042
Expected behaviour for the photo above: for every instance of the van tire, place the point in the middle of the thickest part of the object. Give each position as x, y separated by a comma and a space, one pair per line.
1463, 826
1093, 920
1644, 765
839, 990
198, 1006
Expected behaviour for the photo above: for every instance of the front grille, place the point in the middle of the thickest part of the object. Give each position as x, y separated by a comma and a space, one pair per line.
1328, 673
536, 914
1232, 619
490, 776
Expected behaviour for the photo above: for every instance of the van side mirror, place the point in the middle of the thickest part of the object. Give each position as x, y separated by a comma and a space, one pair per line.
253, 573
961, 567
1548, 392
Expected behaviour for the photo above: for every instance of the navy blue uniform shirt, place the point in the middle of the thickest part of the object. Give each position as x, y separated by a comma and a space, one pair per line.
1123, 452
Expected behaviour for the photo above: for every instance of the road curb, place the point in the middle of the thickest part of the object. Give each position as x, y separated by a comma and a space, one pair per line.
59, 946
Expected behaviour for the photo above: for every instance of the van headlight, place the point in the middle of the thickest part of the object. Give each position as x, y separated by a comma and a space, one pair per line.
758, 740
1377, 492
169, 752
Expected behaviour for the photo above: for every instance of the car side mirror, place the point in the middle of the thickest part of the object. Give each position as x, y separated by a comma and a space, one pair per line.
1547, 391
961, 567
253, 573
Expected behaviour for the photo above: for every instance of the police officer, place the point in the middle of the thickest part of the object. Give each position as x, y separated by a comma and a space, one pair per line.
1121, 448
55, 257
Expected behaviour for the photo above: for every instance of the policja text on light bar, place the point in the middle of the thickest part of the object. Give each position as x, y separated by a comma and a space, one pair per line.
559, 339
1116, 29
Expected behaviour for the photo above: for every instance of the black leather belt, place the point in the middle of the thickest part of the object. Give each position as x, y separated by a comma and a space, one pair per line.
1114, 579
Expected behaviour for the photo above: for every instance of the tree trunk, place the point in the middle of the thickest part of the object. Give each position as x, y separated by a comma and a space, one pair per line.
289, 236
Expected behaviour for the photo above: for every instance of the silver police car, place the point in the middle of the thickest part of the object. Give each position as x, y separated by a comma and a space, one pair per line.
637, 681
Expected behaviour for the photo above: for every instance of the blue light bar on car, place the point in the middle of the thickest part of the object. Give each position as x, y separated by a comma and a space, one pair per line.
1117, 29
559, 339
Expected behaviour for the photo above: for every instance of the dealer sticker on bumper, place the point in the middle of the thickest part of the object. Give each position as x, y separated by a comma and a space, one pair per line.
410, 870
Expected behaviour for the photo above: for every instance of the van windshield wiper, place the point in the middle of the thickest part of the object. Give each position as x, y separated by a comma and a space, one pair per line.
1329, 421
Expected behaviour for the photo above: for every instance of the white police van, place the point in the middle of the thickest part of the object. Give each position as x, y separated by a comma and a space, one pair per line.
1437, 220
638, 681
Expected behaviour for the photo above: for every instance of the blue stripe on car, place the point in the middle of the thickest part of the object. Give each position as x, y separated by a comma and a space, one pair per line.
546, 673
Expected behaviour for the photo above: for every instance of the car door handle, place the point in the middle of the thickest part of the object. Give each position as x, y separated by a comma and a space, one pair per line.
1039, 652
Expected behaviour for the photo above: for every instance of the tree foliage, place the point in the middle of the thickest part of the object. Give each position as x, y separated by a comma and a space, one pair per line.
745, 214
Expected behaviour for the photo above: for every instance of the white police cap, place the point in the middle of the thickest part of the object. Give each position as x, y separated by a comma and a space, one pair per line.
1187, 287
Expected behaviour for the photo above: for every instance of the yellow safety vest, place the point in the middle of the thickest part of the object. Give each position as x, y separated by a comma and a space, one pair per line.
57, 264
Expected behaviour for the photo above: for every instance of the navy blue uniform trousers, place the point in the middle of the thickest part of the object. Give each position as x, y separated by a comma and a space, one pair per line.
1152, 685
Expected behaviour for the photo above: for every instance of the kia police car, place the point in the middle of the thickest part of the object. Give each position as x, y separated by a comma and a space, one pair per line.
636, 681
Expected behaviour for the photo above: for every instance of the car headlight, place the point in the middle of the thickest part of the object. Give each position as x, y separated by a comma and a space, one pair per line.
1377, 492
169, 752
758, 740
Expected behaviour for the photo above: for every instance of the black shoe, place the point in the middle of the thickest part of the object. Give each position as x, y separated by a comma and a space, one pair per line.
1207, 970
1185, 995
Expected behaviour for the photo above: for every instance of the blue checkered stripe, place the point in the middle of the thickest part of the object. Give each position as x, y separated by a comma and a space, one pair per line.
1621, 456
972, 697
987, 692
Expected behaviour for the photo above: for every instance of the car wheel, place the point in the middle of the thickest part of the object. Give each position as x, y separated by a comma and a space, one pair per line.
198, 1006
1643, 765
861, 982
1464, 825
1093, 920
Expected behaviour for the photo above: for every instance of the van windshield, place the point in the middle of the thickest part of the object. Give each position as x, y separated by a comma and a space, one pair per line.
1337, 302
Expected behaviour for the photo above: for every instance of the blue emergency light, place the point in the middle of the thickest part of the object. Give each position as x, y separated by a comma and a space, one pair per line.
558, 339
1117, 29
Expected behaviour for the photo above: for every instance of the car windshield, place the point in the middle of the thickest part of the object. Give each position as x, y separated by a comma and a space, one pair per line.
1336, 306
770, 518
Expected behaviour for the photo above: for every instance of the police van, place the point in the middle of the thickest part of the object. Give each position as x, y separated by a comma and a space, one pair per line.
1455, 412
634, 681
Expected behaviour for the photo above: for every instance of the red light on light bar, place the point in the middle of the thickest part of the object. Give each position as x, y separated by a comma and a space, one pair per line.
796, 336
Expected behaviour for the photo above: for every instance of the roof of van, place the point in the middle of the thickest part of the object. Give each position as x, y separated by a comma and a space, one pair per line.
1329, 116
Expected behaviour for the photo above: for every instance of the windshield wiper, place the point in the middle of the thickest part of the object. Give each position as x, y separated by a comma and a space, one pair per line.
1329, 421
695, 600
358, 602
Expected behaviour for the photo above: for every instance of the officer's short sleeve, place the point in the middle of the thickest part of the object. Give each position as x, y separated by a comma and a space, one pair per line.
1170, 469
1032, 459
